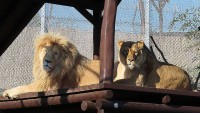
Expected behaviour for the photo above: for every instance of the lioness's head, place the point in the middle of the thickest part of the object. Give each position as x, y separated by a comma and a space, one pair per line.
52, 53
131, 54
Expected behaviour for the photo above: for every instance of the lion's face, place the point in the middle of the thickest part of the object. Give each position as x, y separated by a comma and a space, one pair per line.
54, 55
49, 57
130, 54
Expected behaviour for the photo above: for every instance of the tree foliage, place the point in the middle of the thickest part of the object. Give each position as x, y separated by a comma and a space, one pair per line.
188, 20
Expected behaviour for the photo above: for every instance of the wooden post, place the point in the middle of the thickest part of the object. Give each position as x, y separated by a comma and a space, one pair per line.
107, 41
97, 17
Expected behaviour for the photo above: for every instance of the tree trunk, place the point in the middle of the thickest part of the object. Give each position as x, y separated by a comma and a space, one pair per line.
142, 15
160, 21
134, 16
159, 8
160, 13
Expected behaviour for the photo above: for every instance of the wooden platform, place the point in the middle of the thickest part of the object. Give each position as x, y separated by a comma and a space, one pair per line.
106, 97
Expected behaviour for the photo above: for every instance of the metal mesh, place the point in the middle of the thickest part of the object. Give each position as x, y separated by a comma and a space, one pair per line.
179, 48
175, 30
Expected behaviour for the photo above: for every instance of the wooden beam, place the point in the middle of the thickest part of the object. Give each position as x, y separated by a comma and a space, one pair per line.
97, 15
65, 108
15, 22
86, 14
107, 41
127, 106
89, 4
55, 100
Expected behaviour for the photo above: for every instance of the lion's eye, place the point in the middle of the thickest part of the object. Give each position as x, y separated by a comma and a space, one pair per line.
56, 53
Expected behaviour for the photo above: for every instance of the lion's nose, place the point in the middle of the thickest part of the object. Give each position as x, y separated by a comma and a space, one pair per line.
48, 61
130, 60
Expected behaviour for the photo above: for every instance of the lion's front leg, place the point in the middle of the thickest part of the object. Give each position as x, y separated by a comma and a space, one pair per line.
140, 80
14, 92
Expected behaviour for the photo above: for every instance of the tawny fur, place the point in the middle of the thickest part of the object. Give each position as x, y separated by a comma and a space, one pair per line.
67, 69
145, 70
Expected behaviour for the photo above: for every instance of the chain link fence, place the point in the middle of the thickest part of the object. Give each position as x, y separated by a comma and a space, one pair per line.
172, 24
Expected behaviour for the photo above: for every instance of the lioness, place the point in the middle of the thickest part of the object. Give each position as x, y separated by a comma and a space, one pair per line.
137, 66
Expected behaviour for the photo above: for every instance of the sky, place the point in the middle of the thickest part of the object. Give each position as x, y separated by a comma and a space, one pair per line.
125, 13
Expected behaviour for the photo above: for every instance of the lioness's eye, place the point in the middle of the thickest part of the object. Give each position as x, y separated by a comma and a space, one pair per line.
124, 52
136, 53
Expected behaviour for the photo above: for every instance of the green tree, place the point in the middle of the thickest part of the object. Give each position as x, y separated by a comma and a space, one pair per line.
187, 21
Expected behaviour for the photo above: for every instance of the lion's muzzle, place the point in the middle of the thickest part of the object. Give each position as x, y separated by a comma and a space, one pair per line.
47, 65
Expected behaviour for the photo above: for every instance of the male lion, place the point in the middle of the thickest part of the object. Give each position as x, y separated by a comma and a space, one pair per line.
57, 64
137, 66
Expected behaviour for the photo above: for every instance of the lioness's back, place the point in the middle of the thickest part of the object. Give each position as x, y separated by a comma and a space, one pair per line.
168, 76
148, 71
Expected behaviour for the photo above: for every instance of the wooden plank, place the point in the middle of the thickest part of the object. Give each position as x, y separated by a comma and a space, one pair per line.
82, 89
55, 100
127, 107
65, 108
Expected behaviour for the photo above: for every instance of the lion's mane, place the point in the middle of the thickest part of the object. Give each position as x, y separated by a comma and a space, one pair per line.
70, 64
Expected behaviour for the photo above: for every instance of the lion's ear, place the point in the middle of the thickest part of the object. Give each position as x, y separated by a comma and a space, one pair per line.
140, 44
120, 42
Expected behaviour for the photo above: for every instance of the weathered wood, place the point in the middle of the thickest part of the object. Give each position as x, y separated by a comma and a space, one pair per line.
65, 108
88, 106
96, 33
107, 41
124, 92
127, 107
76, 90
166, 99
56, 100
86, 14
100, 111
15, 21
153, 95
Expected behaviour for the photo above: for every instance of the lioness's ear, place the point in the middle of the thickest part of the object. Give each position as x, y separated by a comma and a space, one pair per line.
120, 42
140, 44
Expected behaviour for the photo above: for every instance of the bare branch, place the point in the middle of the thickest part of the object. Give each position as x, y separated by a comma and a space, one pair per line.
142, 15
155, 6
134, 15
164, 2
161, 53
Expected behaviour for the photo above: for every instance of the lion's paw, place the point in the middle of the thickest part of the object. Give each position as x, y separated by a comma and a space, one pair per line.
8, 93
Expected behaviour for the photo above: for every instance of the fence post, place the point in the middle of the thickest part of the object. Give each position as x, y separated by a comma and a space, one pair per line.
146, 34
43, 25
